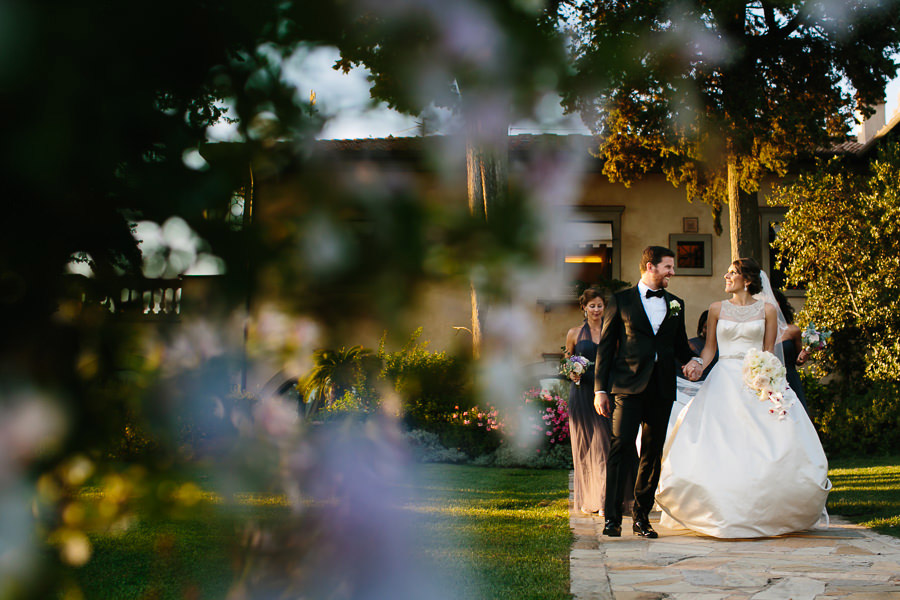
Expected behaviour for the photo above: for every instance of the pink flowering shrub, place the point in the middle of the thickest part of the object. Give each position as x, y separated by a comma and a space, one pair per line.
547, 415
475, 431
553, 411
489, 418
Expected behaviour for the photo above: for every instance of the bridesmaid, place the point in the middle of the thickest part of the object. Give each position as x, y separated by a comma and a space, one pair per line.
589, 432
792, 346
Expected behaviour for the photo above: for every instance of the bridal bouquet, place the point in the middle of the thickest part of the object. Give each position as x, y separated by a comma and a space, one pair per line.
765, 375
813, 339
574, 367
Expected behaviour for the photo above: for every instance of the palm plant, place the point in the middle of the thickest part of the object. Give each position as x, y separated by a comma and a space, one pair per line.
334, 373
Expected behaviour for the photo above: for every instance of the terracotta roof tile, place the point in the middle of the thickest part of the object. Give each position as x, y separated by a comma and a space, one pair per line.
848, 147
516, 142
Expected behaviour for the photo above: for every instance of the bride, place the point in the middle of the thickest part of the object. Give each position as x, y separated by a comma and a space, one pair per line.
730, 467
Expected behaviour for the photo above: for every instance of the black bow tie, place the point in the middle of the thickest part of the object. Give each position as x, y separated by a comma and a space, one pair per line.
658, 293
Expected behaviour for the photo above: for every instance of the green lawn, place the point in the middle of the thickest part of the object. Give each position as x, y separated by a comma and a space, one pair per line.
867, 491
167, 559
502, 533
485, 533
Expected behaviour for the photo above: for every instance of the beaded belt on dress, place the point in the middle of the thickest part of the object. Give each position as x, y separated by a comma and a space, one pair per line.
738, 356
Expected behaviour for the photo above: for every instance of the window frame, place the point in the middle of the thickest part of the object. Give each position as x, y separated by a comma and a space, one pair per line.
767, 216
706, 239
589, 214
601, 214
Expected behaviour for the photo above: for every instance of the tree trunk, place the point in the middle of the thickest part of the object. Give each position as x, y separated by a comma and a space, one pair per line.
476, 322
247, 219
743, 210
487, 173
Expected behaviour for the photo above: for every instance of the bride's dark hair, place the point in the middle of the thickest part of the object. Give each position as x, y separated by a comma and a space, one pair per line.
786, 309
749, 270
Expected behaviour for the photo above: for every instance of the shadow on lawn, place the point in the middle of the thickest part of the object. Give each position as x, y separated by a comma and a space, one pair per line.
867, 491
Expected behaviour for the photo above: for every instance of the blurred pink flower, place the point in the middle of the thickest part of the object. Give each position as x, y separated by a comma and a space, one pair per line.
276, 417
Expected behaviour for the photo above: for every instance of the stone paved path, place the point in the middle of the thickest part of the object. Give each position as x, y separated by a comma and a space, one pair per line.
844, 561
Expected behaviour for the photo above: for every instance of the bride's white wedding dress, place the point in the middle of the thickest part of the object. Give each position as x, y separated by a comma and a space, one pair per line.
732, 469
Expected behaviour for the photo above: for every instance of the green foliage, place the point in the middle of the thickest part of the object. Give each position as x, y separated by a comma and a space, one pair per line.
438, 408
431, 384
535, 435
855, 417
839, 238
134, 444
519, 49
348, 403
113, 129
431, 387
336, 374
697, 89
474, 441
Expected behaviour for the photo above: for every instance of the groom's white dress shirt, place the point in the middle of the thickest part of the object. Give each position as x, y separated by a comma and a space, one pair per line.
656, 311
654, 307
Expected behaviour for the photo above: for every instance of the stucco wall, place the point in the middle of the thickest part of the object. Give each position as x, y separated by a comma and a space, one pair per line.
653, 210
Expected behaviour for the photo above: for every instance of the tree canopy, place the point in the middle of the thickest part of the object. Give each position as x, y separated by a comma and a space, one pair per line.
716, 94
839, 240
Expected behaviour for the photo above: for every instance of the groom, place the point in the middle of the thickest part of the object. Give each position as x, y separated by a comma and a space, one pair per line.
643, 332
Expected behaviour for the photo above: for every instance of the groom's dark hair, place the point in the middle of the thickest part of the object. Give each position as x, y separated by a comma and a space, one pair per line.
654, 256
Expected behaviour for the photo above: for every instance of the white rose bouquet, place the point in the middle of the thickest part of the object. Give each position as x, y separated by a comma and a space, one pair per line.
765, 376
574, 367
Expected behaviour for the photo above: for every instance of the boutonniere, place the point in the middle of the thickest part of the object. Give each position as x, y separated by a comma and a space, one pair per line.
674, 307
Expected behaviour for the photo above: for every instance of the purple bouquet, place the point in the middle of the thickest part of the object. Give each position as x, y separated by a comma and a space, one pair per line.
574, 367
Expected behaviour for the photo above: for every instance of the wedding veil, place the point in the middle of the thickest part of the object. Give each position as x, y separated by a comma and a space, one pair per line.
768, 296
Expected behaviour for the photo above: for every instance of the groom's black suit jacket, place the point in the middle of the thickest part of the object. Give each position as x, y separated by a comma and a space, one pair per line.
625, 355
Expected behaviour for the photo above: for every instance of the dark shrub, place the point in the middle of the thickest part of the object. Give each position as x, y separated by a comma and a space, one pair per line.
432, 386
853, 417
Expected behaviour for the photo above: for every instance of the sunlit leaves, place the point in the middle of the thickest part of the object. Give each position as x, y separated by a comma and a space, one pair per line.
841, 237
678, 86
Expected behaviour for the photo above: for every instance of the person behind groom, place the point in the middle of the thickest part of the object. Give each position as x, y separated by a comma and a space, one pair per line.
642, 334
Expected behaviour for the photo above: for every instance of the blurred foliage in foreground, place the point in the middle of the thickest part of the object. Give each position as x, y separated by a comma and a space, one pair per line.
109, 110
112, 106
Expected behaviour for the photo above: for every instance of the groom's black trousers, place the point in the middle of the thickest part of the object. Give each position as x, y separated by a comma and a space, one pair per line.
649, 410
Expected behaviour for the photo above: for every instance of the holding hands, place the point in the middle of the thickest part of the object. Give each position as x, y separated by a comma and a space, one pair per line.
693, 370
